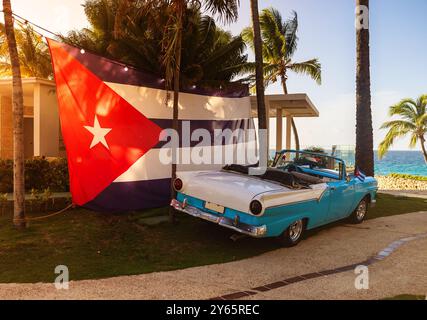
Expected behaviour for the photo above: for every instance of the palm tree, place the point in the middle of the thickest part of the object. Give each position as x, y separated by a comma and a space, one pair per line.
33, 53
279, 45
18, 121
364, 131
211, 57
257, 44
413, 122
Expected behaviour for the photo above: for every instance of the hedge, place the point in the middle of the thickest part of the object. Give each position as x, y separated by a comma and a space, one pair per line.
40, 173
408, 176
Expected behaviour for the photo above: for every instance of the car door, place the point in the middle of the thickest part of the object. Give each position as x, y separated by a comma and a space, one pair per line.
341, 198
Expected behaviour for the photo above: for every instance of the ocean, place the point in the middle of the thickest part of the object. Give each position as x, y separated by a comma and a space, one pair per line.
405, 162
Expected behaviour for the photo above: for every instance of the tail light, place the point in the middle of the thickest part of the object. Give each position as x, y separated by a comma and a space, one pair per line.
256, 207
177, 184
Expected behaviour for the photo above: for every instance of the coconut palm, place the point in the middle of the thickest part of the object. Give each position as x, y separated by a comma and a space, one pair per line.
210, 56
413, 122
33, 54
18, 120
364, 131
279, 46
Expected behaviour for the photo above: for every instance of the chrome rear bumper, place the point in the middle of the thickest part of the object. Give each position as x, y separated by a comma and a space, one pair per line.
235, 225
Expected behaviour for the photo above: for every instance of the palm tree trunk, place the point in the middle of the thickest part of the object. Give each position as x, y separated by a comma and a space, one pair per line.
364, 131
176, 88
423, 147
259, 62
294, 127
119, 18
18, 121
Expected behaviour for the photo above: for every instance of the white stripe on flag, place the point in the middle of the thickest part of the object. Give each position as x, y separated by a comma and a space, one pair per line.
151, 103
149, 166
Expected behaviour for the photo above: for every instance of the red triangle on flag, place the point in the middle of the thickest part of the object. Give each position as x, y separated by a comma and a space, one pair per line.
104, 135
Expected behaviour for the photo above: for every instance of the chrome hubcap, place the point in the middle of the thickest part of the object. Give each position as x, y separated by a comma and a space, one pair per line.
361, 210
295, 230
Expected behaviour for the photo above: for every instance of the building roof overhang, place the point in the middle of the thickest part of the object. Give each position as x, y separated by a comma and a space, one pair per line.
295, 105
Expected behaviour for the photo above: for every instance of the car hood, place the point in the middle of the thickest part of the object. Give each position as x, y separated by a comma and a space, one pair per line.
231, 190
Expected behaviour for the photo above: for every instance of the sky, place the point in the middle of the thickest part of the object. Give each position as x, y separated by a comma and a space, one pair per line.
326, 32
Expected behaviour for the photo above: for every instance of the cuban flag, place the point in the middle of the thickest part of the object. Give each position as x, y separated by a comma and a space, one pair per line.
112, 118
359, 175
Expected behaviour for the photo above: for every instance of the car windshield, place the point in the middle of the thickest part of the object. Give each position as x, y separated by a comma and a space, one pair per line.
316, 164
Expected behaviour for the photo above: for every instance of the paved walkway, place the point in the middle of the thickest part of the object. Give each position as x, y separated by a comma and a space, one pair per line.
402, 271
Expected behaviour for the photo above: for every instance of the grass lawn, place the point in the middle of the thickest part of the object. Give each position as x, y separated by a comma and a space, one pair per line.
388, 205
95, 245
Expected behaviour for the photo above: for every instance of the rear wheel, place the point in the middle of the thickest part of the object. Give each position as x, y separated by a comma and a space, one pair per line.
293, 235
360, 213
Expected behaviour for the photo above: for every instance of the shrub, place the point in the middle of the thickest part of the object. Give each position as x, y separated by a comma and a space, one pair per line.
40, 174
408, 176
6, 176
315, 149
58, 175
36, 173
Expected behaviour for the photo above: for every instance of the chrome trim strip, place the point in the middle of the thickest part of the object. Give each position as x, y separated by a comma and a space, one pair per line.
222, 221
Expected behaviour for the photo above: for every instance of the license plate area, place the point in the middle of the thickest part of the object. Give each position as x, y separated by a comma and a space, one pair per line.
214, 207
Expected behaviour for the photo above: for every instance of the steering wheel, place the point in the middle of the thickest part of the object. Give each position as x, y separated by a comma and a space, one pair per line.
307, 162
292, 168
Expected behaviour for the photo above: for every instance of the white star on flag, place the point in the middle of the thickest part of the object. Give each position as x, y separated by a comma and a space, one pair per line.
98, 134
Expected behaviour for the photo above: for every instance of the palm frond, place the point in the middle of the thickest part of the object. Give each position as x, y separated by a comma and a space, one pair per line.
272, 33
406, 108
312, 68
399, 124
421, 105
227, 10
422, 121
413, 141
248, 36
393, 133
291, 29
33, 54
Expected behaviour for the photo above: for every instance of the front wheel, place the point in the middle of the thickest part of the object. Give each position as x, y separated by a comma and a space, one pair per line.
360, 213
293, 235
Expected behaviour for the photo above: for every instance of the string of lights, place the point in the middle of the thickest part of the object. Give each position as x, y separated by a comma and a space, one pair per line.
27, 22
24, 23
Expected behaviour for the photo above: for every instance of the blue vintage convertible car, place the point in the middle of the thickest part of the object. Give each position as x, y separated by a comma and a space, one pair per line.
300, 191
